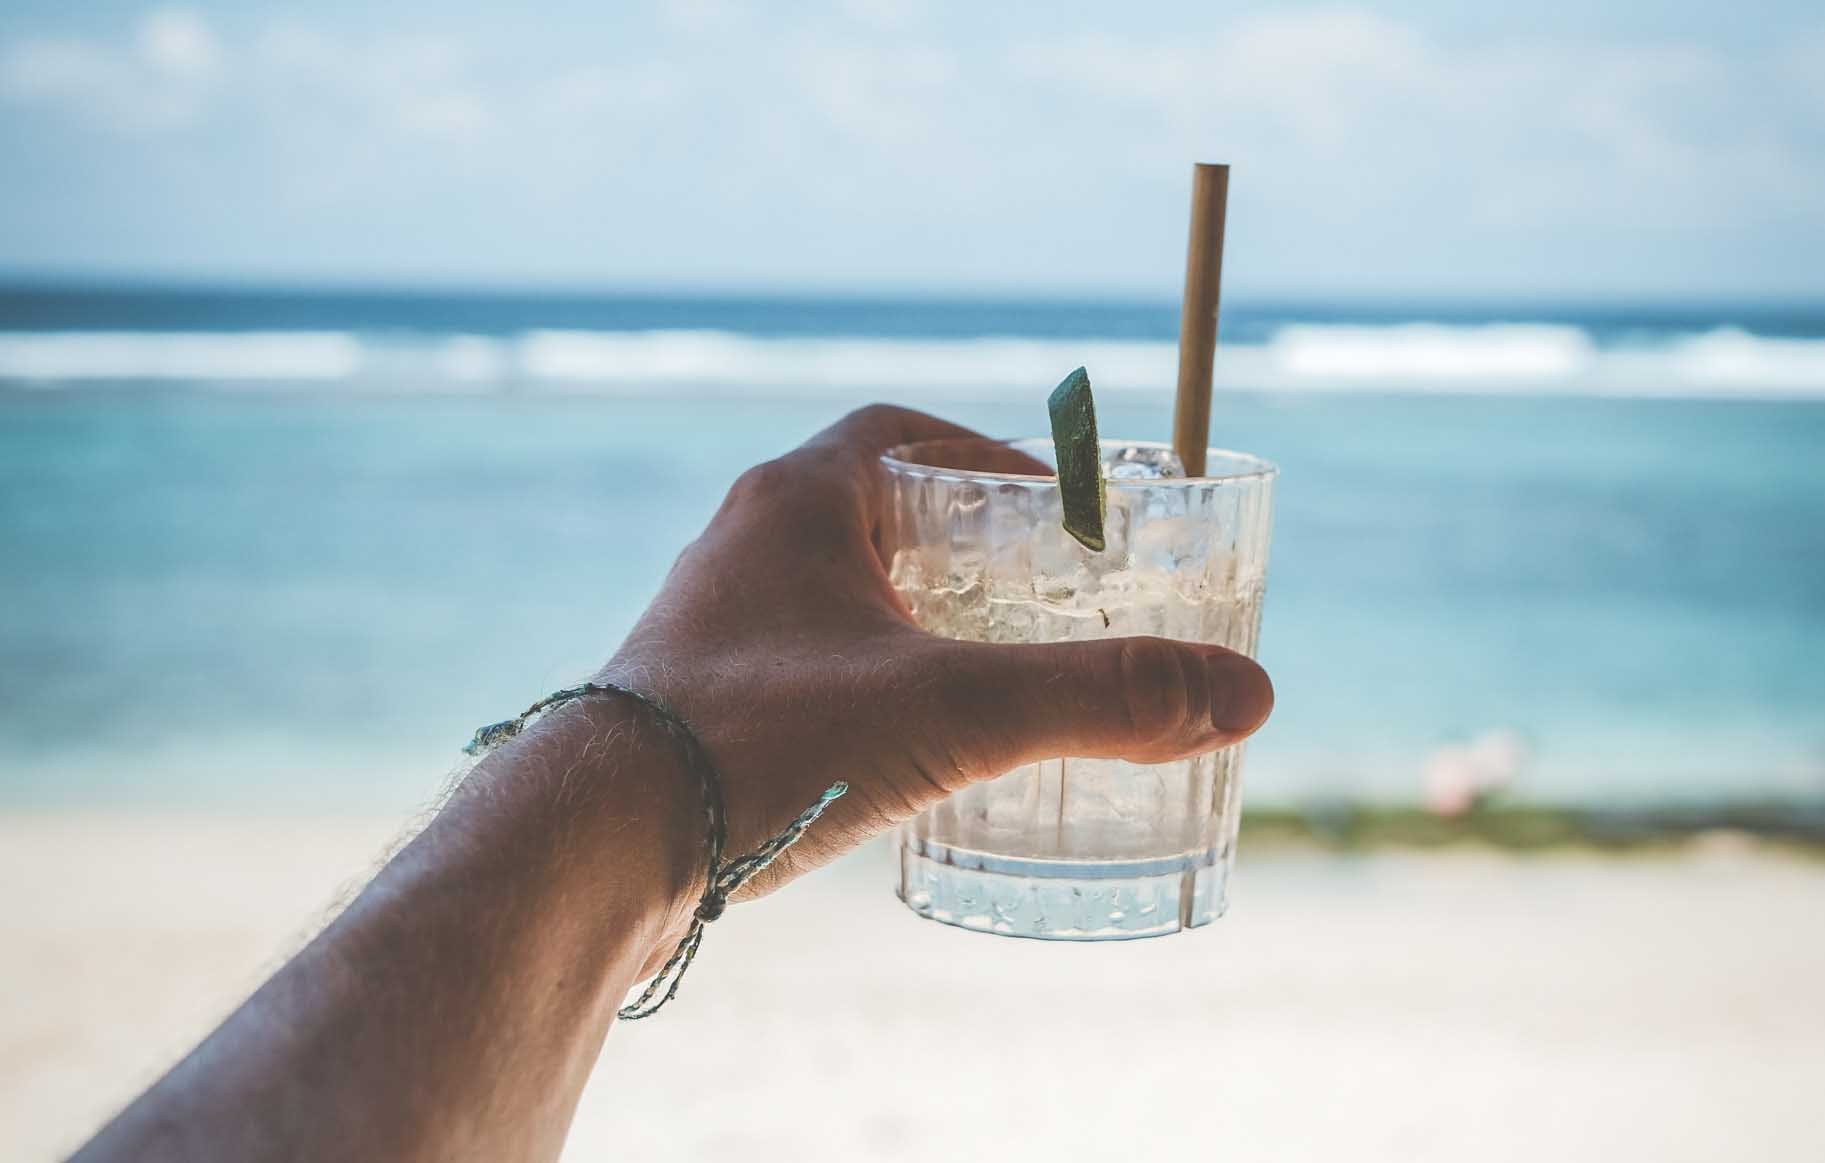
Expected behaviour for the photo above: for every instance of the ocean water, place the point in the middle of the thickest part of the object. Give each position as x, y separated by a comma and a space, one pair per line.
287, 550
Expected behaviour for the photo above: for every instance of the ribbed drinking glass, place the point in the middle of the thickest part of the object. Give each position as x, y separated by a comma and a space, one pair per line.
1069, 848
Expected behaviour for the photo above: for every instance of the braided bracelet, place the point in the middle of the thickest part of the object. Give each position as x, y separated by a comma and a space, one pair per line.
724, 878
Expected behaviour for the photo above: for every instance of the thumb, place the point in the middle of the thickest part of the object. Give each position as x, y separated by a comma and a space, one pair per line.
1147, 700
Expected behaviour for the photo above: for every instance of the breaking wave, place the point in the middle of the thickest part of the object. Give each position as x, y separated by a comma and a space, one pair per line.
1414, 357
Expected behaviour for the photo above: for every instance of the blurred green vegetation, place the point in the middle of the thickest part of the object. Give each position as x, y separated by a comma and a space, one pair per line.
1530, 828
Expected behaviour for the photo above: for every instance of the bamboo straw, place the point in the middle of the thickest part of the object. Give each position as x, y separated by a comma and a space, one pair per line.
1198, 315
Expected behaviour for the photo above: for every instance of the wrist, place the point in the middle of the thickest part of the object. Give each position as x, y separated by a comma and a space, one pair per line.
611, 801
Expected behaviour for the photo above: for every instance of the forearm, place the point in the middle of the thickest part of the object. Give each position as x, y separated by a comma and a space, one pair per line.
455, 1009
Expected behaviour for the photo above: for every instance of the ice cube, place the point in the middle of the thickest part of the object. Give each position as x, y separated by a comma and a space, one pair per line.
1141, 464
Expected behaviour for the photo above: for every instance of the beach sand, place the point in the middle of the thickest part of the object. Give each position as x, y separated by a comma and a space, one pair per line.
1448, 1005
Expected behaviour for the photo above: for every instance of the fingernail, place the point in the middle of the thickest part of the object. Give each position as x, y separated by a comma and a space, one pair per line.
1241, 694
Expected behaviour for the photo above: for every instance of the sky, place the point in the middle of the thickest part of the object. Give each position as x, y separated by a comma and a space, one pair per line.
1445, 148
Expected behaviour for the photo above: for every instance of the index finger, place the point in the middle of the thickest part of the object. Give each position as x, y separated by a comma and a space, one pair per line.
879, 427
850, 450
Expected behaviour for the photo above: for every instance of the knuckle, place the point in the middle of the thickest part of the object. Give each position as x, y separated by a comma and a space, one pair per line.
875, 415
873, 427
769, 480
1155, 685
795, 502
795, 479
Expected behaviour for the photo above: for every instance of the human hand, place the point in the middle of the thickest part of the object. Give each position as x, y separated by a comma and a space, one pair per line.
779, 638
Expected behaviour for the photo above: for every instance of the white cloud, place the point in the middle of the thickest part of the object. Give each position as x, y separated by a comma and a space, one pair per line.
173, 67
50, 69
160, 80
426, 86
178, 42
878, 95
1301, 72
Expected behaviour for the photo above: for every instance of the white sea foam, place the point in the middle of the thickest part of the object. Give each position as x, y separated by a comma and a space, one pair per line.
63, 356
1414, 357
1426, 352
726, 359
1732, 356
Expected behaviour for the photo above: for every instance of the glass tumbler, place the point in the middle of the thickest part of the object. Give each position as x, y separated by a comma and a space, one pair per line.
1078, 849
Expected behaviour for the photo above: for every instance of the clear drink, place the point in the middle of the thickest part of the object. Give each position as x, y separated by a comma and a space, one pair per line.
1079, 849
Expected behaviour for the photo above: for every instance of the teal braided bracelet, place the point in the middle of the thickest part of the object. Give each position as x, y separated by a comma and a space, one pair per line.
724, 878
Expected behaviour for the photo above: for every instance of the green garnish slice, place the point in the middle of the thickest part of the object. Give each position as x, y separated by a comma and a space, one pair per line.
1080, 459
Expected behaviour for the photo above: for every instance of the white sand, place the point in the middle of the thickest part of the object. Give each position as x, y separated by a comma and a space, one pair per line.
1400, 1007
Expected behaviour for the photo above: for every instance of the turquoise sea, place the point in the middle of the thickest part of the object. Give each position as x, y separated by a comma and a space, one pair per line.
287, 550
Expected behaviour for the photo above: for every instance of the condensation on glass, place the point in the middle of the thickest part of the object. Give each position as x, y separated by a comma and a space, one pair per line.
1078, 849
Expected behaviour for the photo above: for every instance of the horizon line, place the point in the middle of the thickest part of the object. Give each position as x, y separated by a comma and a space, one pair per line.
25, 283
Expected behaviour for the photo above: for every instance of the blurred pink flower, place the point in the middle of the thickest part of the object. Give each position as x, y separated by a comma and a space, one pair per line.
1458, 777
